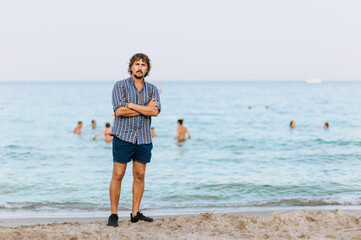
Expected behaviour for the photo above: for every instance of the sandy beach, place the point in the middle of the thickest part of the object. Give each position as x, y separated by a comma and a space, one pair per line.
300, 224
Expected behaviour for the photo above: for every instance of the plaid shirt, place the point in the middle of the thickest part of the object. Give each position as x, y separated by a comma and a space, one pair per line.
133, 129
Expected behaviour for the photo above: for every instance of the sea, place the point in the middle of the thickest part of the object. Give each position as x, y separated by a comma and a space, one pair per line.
242, 155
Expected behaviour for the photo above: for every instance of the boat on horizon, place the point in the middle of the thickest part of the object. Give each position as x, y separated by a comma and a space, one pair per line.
314, 80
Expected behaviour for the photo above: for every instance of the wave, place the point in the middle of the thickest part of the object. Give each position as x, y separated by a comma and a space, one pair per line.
54, 206
90, 207
339, 142
344, 201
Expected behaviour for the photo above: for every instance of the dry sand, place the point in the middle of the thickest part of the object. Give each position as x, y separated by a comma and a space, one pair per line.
299, 224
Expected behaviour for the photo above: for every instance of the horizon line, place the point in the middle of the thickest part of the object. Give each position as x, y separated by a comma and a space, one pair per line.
158, 81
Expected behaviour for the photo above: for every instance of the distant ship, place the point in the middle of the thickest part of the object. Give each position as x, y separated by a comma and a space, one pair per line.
314, 80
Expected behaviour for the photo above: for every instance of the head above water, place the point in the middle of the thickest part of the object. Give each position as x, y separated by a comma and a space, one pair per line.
326, 125
137, 57
292, 124
180, 121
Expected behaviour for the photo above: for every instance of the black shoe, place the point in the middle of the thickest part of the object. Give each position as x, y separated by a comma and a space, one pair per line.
141, 217
113, 220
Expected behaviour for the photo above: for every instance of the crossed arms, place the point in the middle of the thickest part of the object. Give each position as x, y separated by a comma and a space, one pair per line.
132, 109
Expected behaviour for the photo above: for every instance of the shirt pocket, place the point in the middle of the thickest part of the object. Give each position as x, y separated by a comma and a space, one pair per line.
144, 98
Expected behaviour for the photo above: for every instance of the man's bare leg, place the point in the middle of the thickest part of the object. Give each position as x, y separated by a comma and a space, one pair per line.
138, 185
115, 185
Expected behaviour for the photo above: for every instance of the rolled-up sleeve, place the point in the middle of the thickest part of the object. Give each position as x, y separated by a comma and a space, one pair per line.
155, 94
118, 97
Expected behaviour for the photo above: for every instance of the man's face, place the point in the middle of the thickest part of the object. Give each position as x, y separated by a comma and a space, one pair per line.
139, 69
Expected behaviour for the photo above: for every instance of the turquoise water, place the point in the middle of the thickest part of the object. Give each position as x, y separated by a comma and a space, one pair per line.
238, 158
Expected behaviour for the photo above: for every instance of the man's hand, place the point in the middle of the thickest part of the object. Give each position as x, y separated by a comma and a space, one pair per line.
152, 103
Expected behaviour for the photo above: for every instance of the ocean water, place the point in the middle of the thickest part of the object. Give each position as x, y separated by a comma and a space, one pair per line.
242, 155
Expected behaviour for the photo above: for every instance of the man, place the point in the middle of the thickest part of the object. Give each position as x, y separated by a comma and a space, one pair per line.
135, 101
94, 124
152, 132
181, 132
292, 124
107, 133
77, 129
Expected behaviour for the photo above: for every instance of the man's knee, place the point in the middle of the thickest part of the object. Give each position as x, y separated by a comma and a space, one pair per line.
139, 175
118, 171
118, 176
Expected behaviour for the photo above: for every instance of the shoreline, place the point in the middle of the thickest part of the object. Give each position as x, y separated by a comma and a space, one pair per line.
296, 224
44, 219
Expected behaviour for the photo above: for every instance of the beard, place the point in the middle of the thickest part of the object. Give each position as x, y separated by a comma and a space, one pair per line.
139, 76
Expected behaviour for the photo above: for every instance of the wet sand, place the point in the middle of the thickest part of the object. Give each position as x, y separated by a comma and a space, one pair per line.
300, 224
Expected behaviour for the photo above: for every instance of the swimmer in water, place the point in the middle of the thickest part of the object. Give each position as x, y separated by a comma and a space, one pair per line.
181, 132
152, 132
94, 124
77, 130
106, 132
292, 124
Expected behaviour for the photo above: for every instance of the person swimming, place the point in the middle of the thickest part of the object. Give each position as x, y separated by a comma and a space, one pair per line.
181, 132
292, 124
152, 132
94, 124
77, 130
106, 132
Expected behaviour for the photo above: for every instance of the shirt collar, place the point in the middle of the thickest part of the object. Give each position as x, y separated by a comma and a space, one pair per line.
131, 80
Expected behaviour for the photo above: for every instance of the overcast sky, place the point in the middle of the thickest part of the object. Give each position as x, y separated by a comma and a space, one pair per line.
73, 40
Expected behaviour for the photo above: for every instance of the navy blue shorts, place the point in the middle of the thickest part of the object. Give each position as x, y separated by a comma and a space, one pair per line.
124, 152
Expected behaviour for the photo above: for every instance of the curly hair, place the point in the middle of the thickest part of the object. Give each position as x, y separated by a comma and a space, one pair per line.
143, 57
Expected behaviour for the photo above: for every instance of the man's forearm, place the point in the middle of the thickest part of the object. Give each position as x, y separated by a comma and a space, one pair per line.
144, 110
126, 112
